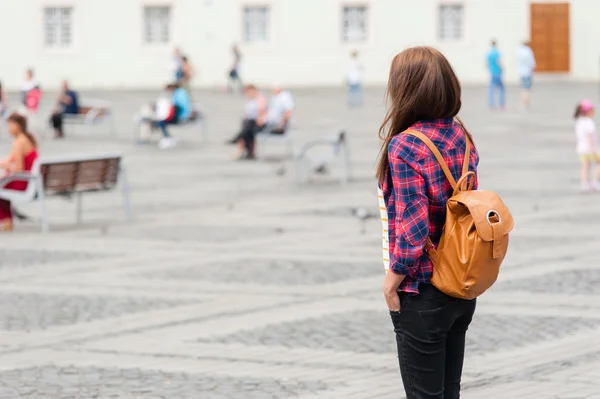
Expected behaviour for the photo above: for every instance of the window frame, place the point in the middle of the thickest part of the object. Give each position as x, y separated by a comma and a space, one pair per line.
367, 33
171, 26
268, 25
464, 28
74, 19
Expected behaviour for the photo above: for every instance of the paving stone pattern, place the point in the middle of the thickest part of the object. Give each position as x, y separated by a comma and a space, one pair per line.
26, 312
16, 258
233, 281
276, 272
91, 382
575, 282
369, 332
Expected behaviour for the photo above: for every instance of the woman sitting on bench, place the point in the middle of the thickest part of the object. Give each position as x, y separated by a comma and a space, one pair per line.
21, 158
181, 111
254, 121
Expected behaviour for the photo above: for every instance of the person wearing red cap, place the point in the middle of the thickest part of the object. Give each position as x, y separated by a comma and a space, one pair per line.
587, 145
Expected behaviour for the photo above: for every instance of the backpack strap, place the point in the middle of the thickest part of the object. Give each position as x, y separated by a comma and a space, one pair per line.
467, 161
427, 141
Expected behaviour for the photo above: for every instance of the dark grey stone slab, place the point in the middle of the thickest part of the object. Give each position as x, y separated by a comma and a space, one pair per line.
25, 312
372, 332
28, 257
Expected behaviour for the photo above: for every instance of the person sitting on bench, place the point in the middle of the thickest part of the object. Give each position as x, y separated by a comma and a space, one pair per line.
281, 108
181, 111
254, 121
67, 104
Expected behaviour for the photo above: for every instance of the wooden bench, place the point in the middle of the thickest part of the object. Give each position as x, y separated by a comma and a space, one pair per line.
67, 177
92, 112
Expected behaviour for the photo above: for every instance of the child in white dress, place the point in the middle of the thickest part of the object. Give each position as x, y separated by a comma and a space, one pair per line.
587, 146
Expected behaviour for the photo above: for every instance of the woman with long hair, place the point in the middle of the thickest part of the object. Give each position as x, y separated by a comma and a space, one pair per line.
424, 95
21, 158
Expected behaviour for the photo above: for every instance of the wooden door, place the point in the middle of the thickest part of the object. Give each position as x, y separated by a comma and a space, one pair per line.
550, 37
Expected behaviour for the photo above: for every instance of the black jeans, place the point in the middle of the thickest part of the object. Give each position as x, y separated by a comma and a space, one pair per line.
57, 123
430, 333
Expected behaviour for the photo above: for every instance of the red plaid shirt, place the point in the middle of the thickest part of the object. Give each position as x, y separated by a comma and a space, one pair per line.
416, 192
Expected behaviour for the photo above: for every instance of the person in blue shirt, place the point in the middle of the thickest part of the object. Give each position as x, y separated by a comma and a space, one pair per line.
67, 103
181, 111
494, 64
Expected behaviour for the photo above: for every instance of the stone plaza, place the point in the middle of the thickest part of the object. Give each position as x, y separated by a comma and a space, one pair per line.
234, 281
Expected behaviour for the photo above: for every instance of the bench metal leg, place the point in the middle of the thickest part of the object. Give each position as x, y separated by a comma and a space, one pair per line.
346, 164
126, 194
79, 208
41, 198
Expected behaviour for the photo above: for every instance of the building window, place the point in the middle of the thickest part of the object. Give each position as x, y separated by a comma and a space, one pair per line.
58, 27
355, 24
256, 24
157, 24
451, 21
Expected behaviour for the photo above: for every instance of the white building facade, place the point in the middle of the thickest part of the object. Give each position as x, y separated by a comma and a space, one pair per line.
129, 43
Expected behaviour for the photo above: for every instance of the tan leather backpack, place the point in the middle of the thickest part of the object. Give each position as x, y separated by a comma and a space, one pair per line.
475, 238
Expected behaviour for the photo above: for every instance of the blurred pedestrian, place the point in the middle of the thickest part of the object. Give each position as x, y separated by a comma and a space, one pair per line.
526, 65
234, 71
31, 95
3, 103
430, 326
67, 103
354, 80
188, 74
178, 65
495, 67
587, 145
21, 159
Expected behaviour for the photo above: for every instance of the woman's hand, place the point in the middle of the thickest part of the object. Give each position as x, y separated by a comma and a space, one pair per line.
390, 290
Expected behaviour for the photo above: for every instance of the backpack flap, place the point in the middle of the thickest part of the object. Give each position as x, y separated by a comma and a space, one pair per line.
491, 217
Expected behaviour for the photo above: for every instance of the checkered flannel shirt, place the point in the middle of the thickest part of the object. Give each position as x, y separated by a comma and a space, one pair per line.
415, 194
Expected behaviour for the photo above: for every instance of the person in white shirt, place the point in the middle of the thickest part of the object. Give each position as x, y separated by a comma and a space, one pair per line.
354, 80
280, 110
587, 145
526, 66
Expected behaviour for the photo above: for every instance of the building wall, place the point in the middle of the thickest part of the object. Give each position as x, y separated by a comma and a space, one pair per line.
305, 46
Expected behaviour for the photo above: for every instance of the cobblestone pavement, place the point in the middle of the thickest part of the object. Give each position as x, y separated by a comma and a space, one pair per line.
234, 282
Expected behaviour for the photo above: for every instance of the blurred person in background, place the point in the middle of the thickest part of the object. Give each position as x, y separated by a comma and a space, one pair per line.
526, 64
430, 326
495, 67
188, 74
178, 65
31, 95
180, 110
31, 92
255, 119
234, 71
67, 103
21, 159
3, 102
587, 146
280, 110
354, 81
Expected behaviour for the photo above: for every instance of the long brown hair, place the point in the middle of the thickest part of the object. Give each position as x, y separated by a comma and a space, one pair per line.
22, 122
422, 86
